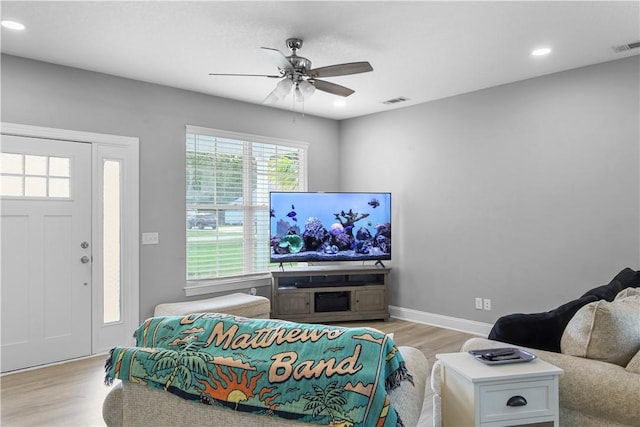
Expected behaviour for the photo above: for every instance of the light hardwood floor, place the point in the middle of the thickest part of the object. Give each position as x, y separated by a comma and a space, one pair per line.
71, 393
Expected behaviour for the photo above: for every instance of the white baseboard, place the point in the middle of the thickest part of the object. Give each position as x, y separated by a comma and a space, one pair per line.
454, 323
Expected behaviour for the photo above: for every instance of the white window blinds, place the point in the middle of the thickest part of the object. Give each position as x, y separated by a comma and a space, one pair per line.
228, 180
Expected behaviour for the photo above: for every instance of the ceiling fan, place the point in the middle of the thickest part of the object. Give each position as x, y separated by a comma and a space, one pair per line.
296, 72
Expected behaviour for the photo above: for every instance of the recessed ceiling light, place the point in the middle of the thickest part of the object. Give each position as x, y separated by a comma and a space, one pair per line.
12, 25
541, 51
339, 103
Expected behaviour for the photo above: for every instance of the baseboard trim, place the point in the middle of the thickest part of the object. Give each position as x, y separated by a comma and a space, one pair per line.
441, 321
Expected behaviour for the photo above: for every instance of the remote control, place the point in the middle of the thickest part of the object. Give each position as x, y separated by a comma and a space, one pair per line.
509, 357
498, 353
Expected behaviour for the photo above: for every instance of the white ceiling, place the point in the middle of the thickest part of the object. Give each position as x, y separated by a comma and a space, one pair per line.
422, 50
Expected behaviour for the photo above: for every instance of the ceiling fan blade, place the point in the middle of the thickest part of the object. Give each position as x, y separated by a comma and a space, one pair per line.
278, 57
341, 69
332, 88
247, 75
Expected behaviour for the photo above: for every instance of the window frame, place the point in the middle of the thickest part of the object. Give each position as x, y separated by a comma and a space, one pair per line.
245, 280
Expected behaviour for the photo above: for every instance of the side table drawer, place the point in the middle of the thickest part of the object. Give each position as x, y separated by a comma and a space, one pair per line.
539, 397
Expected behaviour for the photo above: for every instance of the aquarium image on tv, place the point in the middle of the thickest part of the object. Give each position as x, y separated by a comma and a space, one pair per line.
314, 226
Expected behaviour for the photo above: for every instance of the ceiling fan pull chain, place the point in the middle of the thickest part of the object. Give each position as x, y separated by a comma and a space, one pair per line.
293, 102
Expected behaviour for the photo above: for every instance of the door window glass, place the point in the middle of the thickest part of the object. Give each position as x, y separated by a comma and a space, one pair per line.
29, 176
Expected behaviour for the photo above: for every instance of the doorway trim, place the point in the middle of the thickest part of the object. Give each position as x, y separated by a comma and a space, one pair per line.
105, 146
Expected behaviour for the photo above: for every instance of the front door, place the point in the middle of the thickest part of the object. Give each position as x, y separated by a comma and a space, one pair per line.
46, 256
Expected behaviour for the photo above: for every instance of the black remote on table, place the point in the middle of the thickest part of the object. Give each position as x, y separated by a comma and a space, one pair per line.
500, 354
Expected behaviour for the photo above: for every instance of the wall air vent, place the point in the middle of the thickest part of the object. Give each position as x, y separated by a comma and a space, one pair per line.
395, 100
624, 47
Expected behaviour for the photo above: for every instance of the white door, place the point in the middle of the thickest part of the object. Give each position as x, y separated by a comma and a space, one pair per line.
46, 251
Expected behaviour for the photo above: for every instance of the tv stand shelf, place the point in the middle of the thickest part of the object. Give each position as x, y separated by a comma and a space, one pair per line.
330, 294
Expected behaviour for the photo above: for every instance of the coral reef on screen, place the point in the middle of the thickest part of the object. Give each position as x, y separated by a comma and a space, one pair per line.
348, 235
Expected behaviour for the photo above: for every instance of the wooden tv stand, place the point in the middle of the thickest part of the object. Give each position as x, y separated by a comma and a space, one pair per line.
330, 294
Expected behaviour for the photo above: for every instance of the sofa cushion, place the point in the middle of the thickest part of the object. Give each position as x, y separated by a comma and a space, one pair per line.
634, 364
538, 330
606, 331
237, 304
626, 278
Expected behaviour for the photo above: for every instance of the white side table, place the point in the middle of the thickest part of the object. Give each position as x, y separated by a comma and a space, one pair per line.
476, 394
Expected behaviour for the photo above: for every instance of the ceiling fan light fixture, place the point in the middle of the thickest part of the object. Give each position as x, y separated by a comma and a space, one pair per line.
271, 98
283, 88
306, 88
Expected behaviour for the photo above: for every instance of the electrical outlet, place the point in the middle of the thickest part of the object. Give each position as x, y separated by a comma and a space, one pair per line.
487, 304
478, 303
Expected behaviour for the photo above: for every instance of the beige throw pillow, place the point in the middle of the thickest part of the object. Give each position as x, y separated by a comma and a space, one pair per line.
607, 331
634, 364
628, 292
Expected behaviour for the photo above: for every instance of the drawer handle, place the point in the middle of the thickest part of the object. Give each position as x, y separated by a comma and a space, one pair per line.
516, 401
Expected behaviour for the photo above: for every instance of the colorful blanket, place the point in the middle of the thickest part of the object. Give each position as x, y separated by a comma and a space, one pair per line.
316, 374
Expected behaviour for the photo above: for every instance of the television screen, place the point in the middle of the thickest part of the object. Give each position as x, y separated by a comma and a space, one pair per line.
309, 227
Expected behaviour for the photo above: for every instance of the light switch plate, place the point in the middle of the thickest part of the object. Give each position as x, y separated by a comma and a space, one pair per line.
150, 239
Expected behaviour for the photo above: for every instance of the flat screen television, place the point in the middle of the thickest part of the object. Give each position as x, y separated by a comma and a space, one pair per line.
318, 226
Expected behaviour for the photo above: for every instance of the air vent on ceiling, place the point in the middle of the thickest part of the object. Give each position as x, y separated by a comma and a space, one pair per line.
623, 47
395, 100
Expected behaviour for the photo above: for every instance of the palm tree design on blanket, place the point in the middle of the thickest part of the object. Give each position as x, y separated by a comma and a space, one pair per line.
181, 364
329, 399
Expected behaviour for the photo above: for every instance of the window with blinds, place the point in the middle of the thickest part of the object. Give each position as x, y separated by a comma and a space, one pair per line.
228, 180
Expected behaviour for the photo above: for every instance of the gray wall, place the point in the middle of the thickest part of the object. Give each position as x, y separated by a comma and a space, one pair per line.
527, 193
41, 94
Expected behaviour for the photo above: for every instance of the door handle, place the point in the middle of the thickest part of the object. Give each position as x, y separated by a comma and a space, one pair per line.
85, 259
